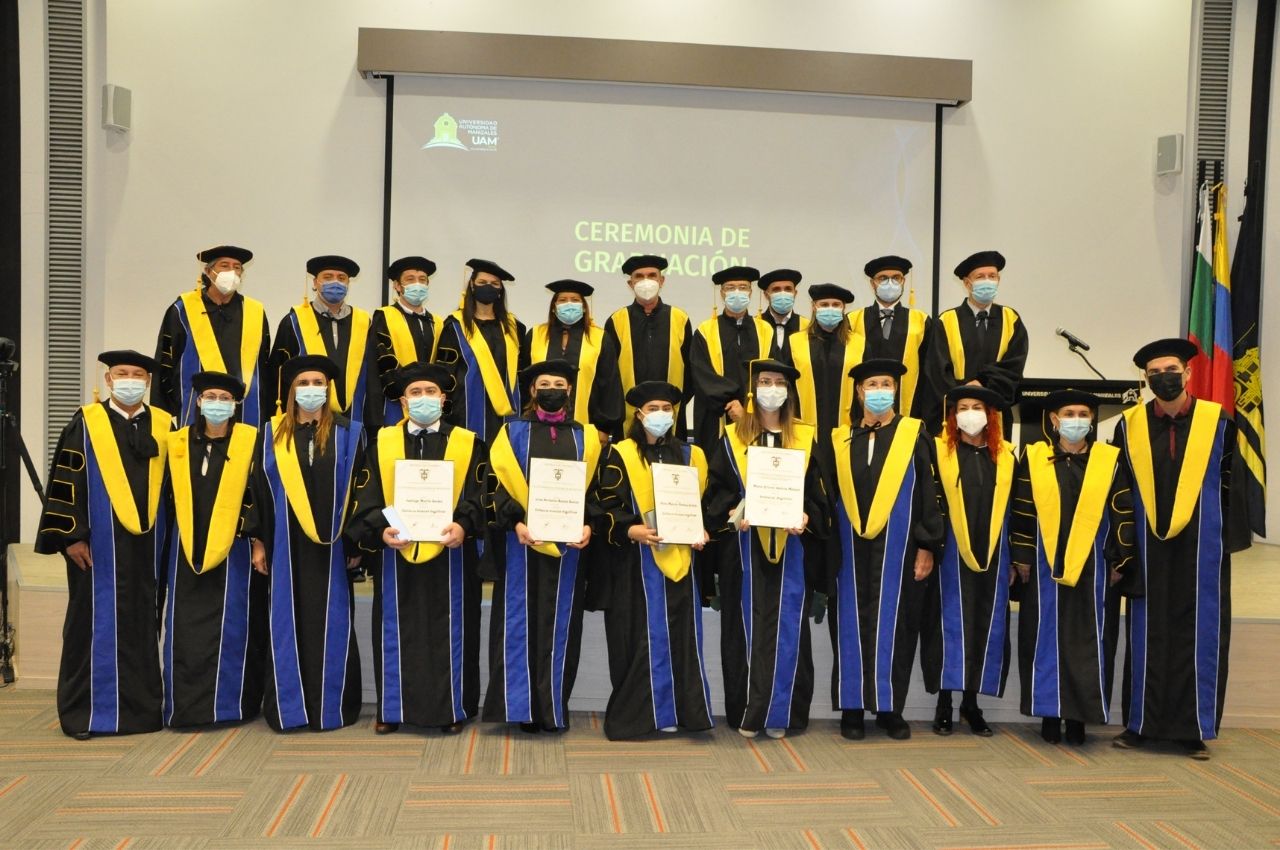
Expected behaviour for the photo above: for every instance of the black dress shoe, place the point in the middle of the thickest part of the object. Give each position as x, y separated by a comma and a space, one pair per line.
852, 725
1195, 748
942, 724
531, 728
1128, 740
1051, 730
893, 724
555, 730
385, 728
451, 728
1075, 733
81, 736
977, 723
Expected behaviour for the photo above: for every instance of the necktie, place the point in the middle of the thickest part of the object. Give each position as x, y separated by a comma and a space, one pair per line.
981, 319
886, 322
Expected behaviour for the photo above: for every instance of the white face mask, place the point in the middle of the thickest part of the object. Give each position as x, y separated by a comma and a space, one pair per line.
971, 421
771, 398
646, 290
227, 282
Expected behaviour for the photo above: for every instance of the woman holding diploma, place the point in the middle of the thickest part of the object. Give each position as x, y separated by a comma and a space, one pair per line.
426, 594
764, 587
966, 646
889, 529
302, 488
654, 619
535, 629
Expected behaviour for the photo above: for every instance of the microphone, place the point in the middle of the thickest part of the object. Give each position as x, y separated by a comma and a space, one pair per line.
1073, 340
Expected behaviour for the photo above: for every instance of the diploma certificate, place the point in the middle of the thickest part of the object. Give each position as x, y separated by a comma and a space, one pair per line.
423, 498
557, 500
677, 503
775, 487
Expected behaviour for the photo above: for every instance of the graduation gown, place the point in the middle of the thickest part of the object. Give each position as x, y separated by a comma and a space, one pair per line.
654, 622
824, 390
215, 611
910, 335
765, 594
105, 490
1179, 627
397, 337
959, 352
718, 358
535, 624
966, 643
308, 330
886, 509
1071, 536
651, 347
426, 598
301, 502
597, 391
484, 364
198, 334
793, 324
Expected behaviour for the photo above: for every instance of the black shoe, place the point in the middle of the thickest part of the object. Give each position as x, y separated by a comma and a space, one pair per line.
977, 723
81, 736
1051, 730
1075, 733
1128, 740
451, 729
555, 730
942, 722
385, 728
1195, 748
852, 725
531, 728
893, 724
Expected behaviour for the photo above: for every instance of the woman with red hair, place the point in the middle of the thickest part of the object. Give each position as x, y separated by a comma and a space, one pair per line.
965, 646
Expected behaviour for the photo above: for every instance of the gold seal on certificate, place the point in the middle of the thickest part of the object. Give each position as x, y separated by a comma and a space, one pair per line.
423, 498
775, 487
677, 503
557, 500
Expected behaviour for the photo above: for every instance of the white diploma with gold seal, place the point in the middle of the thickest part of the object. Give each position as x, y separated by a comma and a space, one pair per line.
557, 500
424, 498
677, 505
775, 487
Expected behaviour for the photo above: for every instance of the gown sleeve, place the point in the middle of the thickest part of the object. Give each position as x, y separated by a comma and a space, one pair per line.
65, 518
1022, 520
165, 391
1005, 374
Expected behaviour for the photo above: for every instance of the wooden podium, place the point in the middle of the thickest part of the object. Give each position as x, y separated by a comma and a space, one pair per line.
1033, 424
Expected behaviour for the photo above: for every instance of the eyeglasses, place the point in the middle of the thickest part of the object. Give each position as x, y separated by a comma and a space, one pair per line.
889, 278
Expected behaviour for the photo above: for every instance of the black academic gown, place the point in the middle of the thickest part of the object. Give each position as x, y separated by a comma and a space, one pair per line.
426, 616
650, 354
714, 388
653, 624
981, 363
169, 390
826, 355
287, 344
1179, 617
1067, 634
530, 681
215, 621
765, 647
794, 323
874, 601
383, 361
895, 347
109, 677
472, 408
605, 405
313, 666
973, 606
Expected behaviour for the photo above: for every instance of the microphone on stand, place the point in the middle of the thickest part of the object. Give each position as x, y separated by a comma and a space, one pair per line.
1072, 339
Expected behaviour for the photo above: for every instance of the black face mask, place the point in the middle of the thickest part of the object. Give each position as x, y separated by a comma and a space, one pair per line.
487, 294
552, 401
1166, 385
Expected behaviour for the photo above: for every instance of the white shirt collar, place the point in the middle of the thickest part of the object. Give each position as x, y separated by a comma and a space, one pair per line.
321, 308
412, 311
118, 409
977, 310
415, 429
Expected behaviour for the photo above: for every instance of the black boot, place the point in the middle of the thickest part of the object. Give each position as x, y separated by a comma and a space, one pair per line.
971, 714
942, 722
1051, 729
893, 724
852, 726
1075, 733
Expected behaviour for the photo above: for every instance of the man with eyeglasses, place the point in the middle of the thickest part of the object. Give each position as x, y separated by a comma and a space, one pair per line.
891, 331
980, 342
1178, 450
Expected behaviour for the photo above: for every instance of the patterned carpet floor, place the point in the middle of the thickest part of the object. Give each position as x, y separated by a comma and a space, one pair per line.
497, 789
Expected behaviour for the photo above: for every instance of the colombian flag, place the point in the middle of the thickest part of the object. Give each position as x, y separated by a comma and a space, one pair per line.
1213, 369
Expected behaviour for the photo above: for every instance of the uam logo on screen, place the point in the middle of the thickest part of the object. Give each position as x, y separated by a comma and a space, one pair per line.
482, 134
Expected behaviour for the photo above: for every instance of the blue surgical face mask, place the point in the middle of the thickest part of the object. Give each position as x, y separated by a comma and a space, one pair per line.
1074, 430
658, 422
829, 317
888, 291
984, 291
877, 401
217, 411
737, 301
570, 312
782, 302
333, 292
425, 409
128, 391
311, 399
415, 293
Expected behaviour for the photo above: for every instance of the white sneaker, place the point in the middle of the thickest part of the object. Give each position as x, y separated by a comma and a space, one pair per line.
669, 729
776, 733
748, 733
